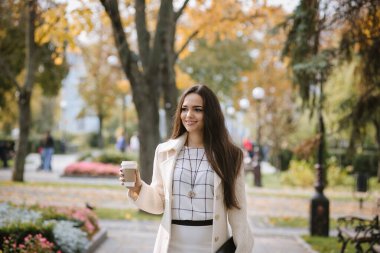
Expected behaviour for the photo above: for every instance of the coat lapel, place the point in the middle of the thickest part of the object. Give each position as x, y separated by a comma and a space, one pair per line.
169, 152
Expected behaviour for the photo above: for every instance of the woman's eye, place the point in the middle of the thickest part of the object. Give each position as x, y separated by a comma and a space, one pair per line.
183, 109
198, 110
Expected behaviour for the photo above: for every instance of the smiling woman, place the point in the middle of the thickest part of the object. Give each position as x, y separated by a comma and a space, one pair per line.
198, 181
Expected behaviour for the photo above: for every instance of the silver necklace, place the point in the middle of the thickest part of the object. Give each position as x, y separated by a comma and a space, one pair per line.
191, 194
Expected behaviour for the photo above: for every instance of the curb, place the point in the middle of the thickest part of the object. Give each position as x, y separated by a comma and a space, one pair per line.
96, 241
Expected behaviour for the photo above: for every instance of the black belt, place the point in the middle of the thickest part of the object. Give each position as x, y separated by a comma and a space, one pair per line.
192, 222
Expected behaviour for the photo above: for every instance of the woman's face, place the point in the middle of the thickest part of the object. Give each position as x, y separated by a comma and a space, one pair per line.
192, 113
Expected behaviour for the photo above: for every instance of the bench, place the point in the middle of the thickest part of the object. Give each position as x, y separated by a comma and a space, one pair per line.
363, 233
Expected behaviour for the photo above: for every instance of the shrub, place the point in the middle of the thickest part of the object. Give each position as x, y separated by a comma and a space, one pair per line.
87, 218
69, 238
366, 163
91, 169
300, 173
31, 243
285, 157
336, 176
114, 157
66, 229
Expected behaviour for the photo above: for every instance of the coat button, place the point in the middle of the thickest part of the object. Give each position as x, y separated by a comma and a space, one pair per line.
216, 238
217, 217
217, 197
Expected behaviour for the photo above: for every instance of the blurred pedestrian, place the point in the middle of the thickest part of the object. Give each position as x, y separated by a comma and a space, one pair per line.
134, 143
47, 151
4, 153
249, 147
121, 143
198, 182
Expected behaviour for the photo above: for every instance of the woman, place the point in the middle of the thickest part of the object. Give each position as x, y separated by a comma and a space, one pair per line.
198, 181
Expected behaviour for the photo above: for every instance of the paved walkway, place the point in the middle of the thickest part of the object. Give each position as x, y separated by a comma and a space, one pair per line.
138, 237
132, 236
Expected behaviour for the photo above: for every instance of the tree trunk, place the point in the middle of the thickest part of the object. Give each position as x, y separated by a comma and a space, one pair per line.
377, 127
146, 102
100, 132
25, 94
144, 81
170, 98
22, 145
169, 87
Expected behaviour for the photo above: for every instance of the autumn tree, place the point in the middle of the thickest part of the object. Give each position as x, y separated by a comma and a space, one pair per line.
360, 45
39, 66
99, 87
311, 65
218, 65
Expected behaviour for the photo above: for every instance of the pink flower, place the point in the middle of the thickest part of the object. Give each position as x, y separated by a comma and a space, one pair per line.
92, 169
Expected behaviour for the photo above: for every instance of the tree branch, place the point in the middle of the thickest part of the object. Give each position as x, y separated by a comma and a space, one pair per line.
30, 47
127, 58
143, 36
163, 27
195, 33
57, 18
178, 13
8, 72
185, 44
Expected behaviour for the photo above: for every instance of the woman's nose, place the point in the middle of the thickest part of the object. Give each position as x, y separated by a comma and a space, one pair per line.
189, 113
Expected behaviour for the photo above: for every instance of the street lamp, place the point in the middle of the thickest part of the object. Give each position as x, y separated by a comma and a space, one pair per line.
320, 205
258, 94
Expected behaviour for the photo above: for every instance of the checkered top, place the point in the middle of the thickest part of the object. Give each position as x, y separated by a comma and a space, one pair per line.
199, 207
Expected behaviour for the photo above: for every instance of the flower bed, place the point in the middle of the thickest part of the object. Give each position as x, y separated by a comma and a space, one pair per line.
48, 229
91, 169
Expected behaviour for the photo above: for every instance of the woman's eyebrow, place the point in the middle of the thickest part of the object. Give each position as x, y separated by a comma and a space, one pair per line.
194, 106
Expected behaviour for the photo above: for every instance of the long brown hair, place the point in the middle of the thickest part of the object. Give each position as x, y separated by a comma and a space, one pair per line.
225, 158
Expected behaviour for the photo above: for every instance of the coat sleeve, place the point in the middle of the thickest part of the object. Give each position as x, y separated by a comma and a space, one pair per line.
238, 218
151, 198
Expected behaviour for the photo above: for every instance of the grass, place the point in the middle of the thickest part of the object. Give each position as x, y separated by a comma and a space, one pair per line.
273, 181
125, 214
295, 222
326, 244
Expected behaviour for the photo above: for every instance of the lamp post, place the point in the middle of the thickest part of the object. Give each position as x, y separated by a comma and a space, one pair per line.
258, 94
320, 206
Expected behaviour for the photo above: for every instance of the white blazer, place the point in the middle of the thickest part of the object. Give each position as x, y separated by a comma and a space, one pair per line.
156, 198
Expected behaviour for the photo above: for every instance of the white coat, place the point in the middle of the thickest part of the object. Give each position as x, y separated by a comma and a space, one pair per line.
156, 198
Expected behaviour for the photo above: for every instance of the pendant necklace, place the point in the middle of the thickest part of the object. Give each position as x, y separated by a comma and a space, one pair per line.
191, 194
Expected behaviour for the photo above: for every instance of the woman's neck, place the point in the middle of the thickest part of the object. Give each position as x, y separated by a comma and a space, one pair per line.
194, 140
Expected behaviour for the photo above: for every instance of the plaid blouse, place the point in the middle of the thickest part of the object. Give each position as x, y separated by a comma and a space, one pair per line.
193, 173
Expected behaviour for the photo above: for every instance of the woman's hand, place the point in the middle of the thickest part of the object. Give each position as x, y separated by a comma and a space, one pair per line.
134, 189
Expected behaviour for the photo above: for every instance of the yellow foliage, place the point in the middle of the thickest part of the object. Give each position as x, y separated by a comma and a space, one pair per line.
58, 60
3, 32
183, 80
123, 85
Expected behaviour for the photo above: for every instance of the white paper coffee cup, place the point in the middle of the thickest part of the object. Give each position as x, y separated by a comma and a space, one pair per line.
129, 168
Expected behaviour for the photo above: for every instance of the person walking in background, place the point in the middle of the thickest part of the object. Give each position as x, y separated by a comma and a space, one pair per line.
47, 151
121, 143
198, 181
134, 143
6, 151
248, 146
